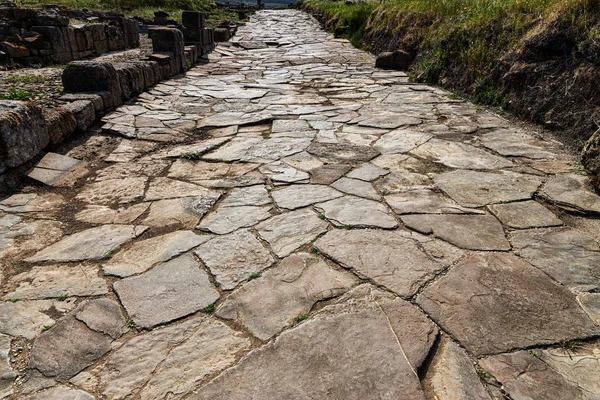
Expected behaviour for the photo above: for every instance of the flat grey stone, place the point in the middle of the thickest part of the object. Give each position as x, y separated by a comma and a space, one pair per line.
327, 174
90, 244
32, 203
303, 161
401, 141
525, 214
425, 201
391, 259
198, 148
495, 302
98, 214
451, 375
67, 348
567, 255
473, 232
573, 193
257, 149
25, 318
182, 355
104, 316
357, 212
60, 393
403, 181
184, 212
167, 292
268, 304
476, 189
287, 232
460, 155
280, 172
7, 375
338, 152
110, 191
166, 188
228, 219
204, 173
311, 360
289, 125
52, 168
232, 258
248, 196
49, 282
357, 188
391, 121
297, 196
368, 172
511, 142
142, 255
590, 302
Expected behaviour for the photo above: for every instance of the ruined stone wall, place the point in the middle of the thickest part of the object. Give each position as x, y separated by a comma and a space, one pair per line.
30, 36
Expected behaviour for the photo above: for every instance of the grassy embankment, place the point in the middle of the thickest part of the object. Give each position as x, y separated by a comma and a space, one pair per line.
461, 43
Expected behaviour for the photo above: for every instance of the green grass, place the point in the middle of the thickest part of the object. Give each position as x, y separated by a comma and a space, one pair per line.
25, 79
208, 309
16, 94
62, 297
254, 275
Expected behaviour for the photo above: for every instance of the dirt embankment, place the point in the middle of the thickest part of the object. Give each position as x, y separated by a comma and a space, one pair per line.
543, 69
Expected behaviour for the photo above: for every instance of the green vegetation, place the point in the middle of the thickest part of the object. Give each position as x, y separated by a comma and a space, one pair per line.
130, 324
25, 79
301, 318
208, 309
192, 155
62, 297
254, 275
45, 328
16, 94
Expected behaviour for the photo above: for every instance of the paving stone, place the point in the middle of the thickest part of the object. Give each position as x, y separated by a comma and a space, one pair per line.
142, 167
97, 214
128, 150
367, 172
257, 149
567, 255
338, 152
493, 302
195, 149
543, 374
303, 161
104, 316
167, 292
401, 141
32, 203
391, 259
287, 232
311, 360
52, 168
268, 304
202, 172
511, 142
228, 219
473, 232
460, 155
398, 182
7, 375
49, 282
476, 189
289, 125
590, 302
452, 376
234, 257
356, 187
67, 348
90, 244
297, 196
60, 393
111, 191
249, 196
425, 201
280, 173
327, 174
573, 193
26, 318
184, 212
391, 121
142, 255
166, 188
357, 212
525, 214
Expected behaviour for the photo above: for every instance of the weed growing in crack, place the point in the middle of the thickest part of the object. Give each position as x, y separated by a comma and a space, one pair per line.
208, 309
322, 216
130, 324
45, 328
62, 297
107, 256
191, 156
301, 318
254, 275
314, 250
13, 300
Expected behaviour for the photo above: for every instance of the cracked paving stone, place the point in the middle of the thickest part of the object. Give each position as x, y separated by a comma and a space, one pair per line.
494, 302
303, 161
166, 292
142, 255
327, 174
248, 196
202, 172
104, 316
281, 173
234, 257
338, 152
390, 258
524, 214
367, 172
567, 255
460, 155
268, 304
357, 212
590, 302
328, 356
357, 187
473, 232
511, 142
228, 219
67, 348
166, 188
60, 393
184, 212
49, 282
287, 232
110, 191
451, 375
402, 181
297, 196
477, 189
392, 121
170, 362
573, 193
32, 203
27, 318
90, 244
257, 149
401, 141
97, 214
7, 375
425, 201
554, 373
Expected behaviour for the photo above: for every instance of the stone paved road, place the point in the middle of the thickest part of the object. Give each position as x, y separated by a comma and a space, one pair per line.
286, 222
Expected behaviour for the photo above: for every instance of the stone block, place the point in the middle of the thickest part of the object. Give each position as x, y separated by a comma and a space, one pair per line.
23, 133
60, 124
398, 60
221, 34
131, 79
96, 99
167, 40
35, 41
14, 50
59, 41
99, 40
193, 19
84, 113
89, 76
193, 52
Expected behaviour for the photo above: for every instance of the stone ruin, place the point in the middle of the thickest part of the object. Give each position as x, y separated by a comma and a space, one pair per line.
35, 36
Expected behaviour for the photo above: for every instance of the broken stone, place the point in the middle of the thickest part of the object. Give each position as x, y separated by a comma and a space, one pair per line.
327, 174
287, 232
249, 196
357, 212
28, 318
60, 393
266, 305
303, 161
167, 292
425, 201
7, 375
357, 188
572, 192
297, 196
110, 191
368, 172
52, 168
104, 316
165, 188
184, 212
228, 219
511, 142
31, 203
281, 172
95, 214
590, 302
401, 141
460, 155
142, 255
473, 232
494, 302
90, 244
525, 214
233, 257
338, 152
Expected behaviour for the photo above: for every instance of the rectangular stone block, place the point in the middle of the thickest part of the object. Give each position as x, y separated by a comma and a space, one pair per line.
193, 19
89, 76
84, 113
60, 124
167, 40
